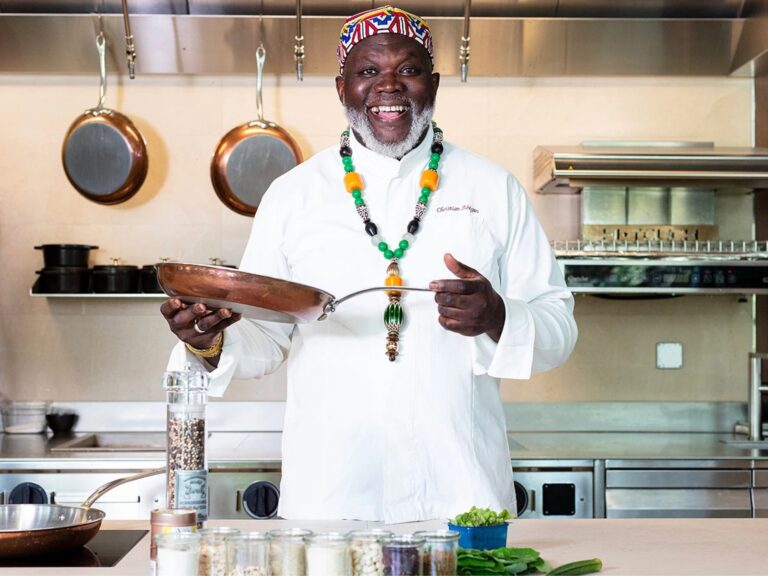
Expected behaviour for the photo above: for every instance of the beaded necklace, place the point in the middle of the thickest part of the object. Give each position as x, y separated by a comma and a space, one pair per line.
394, 317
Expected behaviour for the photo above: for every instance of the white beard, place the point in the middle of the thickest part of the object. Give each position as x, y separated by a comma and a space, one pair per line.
361, 125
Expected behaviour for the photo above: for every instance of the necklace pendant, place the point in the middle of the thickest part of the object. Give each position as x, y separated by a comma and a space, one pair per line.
393, 319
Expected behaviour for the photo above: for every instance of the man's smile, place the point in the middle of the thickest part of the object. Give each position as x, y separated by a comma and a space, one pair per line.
389, 113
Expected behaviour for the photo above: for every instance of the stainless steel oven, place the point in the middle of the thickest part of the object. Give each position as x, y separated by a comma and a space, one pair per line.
554, 489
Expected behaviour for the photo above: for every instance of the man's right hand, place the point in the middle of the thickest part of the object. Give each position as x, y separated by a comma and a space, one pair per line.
196, 324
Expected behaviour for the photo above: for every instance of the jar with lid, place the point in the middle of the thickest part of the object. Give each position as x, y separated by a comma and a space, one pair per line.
401, 554
328, 555
439, 557
287, 551
167, 521
214, 553
248, 554
365, 550
178, 554
187, 465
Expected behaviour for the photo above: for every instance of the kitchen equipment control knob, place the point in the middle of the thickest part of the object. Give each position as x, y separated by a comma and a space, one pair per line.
28, 493
521, 495
260, 499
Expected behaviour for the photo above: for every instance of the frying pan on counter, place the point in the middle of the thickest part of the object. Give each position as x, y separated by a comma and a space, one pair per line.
40, 529
104, 154
250, 156
253, 295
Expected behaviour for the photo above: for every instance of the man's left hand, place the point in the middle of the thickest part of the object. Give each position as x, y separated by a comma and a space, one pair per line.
468, 305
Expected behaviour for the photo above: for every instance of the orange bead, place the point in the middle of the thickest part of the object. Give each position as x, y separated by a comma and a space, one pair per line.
353, 181
393, 280
429, 179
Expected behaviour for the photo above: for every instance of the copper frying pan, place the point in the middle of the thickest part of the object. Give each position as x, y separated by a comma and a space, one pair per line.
104, 154
250, 156
253, 295
40, 529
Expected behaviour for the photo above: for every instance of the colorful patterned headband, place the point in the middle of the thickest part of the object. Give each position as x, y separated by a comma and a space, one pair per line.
384, 20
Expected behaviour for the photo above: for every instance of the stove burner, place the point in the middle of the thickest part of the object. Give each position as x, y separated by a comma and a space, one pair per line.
106, 549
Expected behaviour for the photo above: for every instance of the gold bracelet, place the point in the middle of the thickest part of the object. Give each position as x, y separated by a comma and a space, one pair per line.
213, 350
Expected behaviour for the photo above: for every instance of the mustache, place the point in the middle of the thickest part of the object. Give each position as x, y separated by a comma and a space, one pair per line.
391, 101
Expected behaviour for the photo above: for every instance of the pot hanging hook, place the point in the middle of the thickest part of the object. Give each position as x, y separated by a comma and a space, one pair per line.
464, 48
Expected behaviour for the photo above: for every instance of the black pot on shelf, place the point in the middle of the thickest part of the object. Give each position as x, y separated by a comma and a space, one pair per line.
115, 279
148, 280
63, 280
65, 255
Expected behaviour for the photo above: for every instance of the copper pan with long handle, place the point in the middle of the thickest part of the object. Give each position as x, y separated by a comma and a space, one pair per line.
40, 529
104, 154
250, 156
253, 295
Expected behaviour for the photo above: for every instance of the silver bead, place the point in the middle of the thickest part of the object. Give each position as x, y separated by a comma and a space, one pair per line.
363, 211
376, 240
438, 137
409, 237
345, 139
421, 208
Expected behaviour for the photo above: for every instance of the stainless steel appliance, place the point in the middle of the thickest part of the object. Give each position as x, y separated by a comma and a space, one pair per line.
554, 488
678, 489
664, 267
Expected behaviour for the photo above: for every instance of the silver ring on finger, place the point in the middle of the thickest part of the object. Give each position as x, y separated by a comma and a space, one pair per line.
197, 328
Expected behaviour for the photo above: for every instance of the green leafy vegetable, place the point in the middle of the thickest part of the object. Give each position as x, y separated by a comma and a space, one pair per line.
518, 561
481, 517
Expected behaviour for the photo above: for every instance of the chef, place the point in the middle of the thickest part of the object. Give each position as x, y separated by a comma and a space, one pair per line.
393, 410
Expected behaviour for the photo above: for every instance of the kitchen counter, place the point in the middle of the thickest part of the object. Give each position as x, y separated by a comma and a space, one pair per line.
637, 547
228, 449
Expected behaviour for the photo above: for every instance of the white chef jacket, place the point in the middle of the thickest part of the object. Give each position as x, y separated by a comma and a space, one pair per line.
423, 437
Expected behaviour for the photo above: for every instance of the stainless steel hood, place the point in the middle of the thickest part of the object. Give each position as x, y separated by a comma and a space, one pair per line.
568, 169
529, 38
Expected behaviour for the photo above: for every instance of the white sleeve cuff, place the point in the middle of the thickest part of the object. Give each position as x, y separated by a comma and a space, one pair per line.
512, 355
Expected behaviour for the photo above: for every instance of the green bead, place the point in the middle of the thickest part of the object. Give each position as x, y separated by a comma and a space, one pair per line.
393, 315
433, 165
425, 191
404, 244
424, 199
356, 194
388, 254
359, 201
349, 168
399, 252
348, 159
383, 246
435, 157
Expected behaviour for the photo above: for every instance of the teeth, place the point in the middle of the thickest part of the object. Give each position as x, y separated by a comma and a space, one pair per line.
377, 109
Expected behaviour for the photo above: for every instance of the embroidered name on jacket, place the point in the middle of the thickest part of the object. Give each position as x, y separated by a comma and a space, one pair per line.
465, 208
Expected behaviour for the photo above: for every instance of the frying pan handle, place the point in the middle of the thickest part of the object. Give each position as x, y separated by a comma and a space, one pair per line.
101, 490
331, 306
261, 56
101, 43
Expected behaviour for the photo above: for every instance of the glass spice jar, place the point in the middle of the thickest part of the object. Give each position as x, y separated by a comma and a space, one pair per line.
166, 521
365, 550
287, 552
328, 555
248, 554
439, 556
178, 554
214, 553
401, 554
187, 465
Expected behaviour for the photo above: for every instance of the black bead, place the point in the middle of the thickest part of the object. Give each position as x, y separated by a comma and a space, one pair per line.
413, 226
437, 148
370, 229
345, 151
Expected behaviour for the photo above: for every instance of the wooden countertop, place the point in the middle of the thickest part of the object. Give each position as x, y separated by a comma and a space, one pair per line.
679, 547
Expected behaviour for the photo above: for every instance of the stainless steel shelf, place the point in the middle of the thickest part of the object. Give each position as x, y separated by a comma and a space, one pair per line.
100, 296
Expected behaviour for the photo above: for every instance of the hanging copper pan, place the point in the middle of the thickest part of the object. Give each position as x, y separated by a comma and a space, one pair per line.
253, 295
250, 156
104, 154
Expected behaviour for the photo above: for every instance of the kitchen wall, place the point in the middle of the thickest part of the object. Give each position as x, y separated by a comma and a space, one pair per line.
115, 349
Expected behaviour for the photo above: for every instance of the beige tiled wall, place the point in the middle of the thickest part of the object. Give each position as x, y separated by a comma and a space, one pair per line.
115, 349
